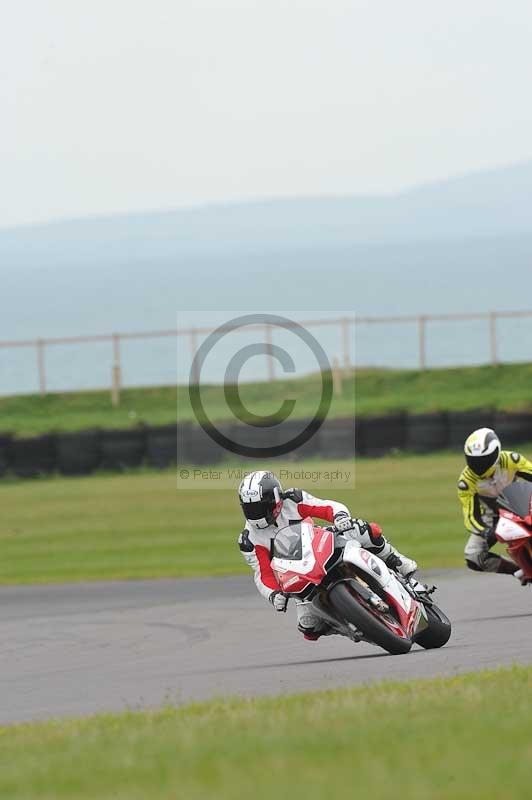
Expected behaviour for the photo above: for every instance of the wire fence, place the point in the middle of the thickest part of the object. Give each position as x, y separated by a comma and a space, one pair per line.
344, 354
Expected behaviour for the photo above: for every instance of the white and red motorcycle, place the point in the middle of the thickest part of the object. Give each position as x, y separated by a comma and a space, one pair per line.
514, 526
354, 591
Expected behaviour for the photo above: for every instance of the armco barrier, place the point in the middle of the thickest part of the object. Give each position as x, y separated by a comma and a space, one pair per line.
86, 451
78, 453
123, 449
426, 432
29, 458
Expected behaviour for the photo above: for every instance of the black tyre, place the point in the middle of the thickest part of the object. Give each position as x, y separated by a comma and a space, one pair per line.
78, 453
122, 449
439, 631
352, 608
161, 446
5, 445
33, 457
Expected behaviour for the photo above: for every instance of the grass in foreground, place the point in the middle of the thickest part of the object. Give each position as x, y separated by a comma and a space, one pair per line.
377, 391
141, 525
463, 738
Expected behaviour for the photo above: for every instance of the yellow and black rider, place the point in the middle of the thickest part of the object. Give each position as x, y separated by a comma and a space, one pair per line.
489, 470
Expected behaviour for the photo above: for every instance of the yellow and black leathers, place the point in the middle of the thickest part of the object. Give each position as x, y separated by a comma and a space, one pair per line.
477, 495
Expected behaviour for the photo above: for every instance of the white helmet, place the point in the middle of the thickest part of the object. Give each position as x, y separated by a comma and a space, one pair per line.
482, 450
260, 498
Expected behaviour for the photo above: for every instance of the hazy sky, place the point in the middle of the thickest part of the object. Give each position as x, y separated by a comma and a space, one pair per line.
117, 105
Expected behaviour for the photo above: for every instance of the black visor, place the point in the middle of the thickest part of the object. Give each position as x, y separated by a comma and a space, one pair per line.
259, 510
481, 464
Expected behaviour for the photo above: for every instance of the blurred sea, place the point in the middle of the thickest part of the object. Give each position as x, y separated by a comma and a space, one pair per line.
461, 246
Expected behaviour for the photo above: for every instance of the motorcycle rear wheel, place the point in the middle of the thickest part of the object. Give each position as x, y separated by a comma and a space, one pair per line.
352, 610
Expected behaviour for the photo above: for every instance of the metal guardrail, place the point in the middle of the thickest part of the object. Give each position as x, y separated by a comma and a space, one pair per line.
422, 322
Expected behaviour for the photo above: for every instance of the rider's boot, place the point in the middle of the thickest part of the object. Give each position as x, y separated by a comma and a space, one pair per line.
371, 539
310, 624
396, 561
505, 566
520, 575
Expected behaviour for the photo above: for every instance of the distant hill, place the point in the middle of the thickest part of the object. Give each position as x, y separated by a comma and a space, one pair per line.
464, 244
495, 202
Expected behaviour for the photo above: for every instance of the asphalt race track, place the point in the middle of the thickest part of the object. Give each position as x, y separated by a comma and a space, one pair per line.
76, 649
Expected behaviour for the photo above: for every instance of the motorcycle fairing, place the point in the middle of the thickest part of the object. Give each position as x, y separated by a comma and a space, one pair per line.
296, 576
510, 527
515, 532
317, 546
408, 610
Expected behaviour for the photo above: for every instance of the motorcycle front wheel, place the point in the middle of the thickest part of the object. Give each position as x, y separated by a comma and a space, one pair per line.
351, 607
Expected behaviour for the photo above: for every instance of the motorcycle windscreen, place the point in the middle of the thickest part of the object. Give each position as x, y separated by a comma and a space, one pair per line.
287, 544
517, 498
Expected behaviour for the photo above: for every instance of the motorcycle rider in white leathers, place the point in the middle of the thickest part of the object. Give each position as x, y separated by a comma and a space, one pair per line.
267, 509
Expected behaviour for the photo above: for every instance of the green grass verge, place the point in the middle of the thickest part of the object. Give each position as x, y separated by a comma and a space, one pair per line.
377, 391
146, 525
457, 738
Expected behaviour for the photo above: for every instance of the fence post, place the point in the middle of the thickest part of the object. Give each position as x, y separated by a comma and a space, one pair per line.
422, 346
344, 323
271, 362
116, 372
336, 377
193, 348
41, 367
493, 338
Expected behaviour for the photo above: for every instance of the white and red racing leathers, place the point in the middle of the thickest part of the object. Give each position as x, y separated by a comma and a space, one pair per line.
256, 544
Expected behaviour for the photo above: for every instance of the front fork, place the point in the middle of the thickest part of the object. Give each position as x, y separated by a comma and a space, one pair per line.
321, 607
